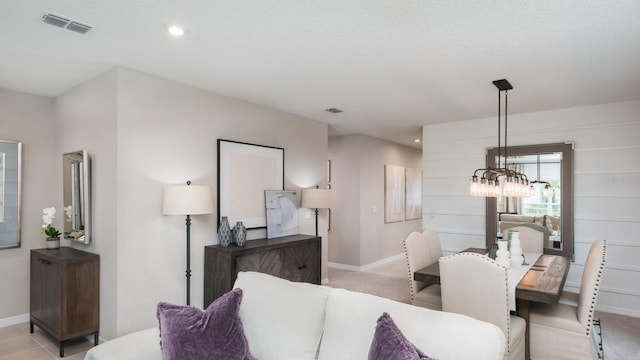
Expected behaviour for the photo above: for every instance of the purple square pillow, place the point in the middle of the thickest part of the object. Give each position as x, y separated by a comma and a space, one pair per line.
389, 343
189, 333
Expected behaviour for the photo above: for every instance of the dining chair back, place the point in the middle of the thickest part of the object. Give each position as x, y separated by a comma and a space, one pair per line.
531, 238
423, 249
477, 286
564, 330
590, 283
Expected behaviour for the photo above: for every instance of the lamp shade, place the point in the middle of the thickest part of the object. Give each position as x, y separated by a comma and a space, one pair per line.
316, 198
187, 200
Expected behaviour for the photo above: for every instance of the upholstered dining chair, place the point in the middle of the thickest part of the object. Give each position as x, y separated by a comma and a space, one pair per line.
564, 330
531, 237
420, 250
476, 286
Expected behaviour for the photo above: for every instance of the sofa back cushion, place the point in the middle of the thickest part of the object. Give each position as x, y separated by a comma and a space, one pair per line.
351, 322
517, 218
282, 319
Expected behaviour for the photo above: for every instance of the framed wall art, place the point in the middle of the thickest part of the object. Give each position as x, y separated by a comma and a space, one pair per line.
10, 193
394, 187
245, 171
282, 213
413, 201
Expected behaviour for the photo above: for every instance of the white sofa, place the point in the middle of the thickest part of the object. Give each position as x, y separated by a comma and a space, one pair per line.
288, 320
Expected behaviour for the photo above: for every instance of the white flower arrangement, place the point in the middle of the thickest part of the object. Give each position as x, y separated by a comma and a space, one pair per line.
47, 218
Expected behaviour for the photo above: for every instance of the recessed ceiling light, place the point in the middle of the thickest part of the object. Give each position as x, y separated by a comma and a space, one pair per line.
176, 31
417, 140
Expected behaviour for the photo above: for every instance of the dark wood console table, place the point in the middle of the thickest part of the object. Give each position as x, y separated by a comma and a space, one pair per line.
295, 258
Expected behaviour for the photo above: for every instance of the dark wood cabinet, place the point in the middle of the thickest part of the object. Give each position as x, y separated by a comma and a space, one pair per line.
295, 258
65, 293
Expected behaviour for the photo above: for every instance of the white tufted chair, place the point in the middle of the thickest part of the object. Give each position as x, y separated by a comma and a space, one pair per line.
420, 250
476, 286
531, 238
563, 331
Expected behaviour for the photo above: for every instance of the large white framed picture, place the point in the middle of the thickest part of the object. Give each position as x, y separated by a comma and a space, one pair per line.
245, 171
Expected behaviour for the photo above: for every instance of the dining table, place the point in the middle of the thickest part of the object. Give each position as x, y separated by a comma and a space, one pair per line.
542, 283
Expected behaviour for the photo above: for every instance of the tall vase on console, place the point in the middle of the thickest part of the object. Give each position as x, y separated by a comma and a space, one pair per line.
515, 250
239, 234
502, 254
224, 232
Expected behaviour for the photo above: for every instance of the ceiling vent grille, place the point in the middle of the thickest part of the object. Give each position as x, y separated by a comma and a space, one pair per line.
66, 23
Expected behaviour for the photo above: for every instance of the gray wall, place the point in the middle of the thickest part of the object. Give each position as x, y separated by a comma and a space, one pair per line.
30, 119
606, 186
359, 238
143, 133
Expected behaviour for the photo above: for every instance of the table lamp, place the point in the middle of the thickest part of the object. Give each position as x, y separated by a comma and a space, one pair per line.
316, 199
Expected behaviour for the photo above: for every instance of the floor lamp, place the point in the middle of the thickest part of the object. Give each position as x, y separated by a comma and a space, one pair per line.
316, 199
187, 200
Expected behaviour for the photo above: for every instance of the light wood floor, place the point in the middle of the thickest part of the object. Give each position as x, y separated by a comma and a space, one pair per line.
16, 343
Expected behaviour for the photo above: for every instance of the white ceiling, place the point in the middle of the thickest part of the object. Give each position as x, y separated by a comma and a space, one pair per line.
391, 65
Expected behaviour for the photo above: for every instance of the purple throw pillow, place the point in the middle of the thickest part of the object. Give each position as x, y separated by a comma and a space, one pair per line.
189, 333
389, 344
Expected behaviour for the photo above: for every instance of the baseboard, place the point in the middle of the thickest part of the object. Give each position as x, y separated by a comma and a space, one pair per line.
14, 320
617, 310
366, 267
343, 266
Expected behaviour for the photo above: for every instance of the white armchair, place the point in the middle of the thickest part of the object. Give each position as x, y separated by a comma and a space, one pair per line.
564, 330
477, 286
423, 249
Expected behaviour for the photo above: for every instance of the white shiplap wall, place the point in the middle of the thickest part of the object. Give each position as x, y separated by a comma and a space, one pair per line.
606, 186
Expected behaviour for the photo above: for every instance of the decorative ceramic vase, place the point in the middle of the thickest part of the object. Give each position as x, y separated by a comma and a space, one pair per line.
515, 250
239, 234
224, 232
502, 254
53, 243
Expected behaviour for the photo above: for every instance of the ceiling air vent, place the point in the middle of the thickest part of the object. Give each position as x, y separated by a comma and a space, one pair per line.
333, 110
55, 20
64, 22
78, 27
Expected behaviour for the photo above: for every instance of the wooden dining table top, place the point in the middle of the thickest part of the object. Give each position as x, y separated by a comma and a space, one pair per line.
542, 283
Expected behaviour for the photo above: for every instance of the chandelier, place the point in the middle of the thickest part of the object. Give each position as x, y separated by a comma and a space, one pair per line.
500, 181
548, 190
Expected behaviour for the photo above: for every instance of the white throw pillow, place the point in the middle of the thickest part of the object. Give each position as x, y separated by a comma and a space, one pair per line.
281, 319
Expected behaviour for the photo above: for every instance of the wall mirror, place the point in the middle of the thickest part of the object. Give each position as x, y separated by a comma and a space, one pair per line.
550, 210
10, 193
77, 196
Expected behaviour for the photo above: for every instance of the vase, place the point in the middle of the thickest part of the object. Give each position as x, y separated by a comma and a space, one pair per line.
502, 254
515, 250
224, 232
53, 243
239, 234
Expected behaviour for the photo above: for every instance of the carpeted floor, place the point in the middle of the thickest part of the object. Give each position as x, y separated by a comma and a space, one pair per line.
620, 334
389, 287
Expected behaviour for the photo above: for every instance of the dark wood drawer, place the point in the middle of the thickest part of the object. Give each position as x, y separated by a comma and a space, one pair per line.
296, 258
